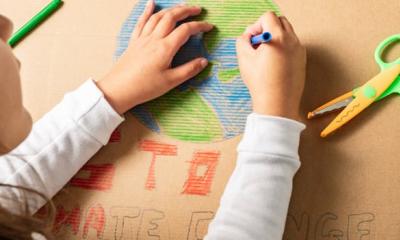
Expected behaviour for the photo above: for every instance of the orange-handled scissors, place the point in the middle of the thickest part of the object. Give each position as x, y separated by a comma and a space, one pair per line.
354, 102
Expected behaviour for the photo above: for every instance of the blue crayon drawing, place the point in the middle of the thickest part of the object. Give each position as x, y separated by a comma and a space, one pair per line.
211, 107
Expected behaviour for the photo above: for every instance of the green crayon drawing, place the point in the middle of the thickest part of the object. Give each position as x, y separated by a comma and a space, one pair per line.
214, 105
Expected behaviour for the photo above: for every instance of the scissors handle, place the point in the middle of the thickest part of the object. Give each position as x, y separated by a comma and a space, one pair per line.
381, 48
364, 97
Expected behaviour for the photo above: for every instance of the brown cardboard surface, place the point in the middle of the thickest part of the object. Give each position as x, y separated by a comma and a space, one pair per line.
345, 189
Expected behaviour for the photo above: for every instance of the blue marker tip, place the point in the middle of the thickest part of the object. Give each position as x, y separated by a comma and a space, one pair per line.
262, 38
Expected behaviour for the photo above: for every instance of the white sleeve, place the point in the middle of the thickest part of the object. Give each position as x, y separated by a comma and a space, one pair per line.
256, 198
59, 144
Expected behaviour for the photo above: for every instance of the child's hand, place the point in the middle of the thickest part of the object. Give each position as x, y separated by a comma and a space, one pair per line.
143, 72
274, 72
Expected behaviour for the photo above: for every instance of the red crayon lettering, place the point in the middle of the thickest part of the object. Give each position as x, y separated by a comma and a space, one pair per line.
67, 218
115, 136
157, 149
95, 218
200, 184
100, 177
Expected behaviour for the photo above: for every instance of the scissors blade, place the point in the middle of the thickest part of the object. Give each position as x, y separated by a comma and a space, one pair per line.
334, 105
364, 97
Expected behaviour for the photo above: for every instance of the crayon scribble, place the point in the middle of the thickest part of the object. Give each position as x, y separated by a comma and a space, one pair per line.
115, 136
66, 218
200, 184
96, 219
157, 149
214, 105
94, 177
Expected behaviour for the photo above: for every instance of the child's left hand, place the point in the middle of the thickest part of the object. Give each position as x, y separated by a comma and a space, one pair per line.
143, 72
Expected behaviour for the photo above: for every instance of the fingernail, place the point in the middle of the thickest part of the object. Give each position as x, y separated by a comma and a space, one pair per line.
204, 62
149, 2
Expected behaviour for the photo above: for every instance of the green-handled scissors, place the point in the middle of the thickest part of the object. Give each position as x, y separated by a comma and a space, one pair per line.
382, 85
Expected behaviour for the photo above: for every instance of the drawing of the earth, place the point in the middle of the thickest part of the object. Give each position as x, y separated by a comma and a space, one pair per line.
214, 105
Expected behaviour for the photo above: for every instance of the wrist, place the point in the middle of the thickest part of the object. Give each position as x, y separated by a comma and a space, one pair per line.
110, 95
290, 112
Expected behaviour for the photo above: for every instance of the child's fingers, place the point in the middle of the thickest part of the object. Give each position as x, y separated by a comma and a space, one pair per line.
174, 15
185, 72
287, 26
181, 34
152, 22
254, 29
6, 27
270, 22
148, 11
243, 43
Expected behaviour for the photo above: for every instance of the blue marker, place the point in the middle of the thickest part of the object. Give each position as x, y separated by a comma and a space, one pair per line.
262, 38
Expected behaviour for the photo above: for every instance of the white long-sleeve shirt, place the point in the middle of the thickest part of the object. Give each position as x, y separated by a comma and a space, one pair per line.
254, 204
256, 199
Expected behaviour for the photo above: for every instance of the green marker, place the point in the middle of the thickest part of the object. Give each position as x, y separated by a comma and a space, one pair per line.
34, 22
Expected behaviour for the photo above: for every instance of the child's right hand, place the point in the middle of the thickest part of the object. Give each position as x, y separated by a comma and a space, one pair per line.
144, 71
274, 72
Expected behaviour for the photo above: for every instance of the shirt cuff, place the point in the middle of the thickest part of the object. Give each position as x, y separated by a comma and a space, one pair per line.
92, 112
271, 135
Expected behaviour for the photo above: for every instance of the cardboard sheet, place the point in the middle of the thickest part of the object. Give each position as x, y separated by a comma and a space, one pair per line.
152, 183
